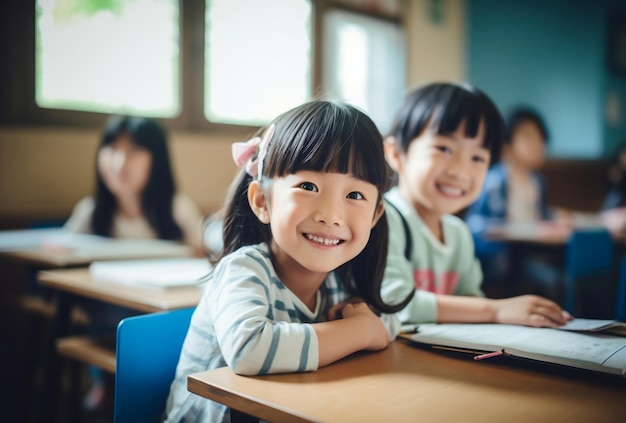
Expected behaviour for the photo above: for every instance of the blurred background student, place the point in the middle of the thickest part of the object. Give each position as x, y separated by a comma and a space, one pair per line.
135, 197
515, 193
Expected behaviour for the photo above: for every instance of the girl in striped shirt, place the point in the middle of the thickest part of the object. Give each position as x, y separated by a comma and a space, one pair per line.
297, 284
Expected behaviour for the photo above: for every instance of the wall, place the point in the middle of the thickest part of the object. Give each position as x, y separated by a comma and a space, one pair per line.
615, 117
45, 171
548, 54
435, 41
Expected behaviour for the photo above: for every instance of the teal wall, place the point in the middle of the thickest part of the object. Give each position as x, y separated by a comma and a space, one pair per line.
551, 55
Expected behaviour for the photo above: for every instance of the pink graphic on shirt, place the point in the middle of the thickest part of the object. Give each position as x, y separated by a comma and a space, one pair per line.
427, 281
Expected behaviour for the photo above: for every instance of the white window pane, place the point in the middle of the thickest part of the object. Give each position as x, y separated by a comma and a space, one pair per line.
365, 64
108, 56
258, 59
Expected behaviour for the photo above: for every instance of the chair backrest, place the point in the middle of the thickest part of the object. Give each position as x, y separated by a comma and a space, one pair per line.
620, 309
147, 351
589, 264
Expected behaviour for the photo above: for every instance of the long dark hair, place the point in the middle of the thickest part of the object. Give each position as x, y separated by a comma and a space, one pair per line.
320, 136
157, 196
441, 107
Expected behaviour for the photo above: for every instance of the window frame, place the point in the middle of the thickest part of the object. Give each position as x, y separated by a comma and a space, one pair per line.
17, 75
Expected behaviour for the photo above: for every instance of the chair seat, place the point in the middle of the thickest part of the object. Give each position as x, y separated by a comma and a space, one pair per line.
148, 347
589, 290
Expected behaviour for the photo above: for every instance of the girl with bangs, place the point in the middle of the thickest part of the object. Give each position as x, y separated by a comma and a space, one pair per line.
442, 142
297, 283
135, 197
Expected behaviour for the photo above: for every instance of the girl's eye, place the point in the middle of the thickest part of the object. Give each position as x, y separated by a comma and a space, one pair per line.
308, 186
480, 159
444, 149
355, 195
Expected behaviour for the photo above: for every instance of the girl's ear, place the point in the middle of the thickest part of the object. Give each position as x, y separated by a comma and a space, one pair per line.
393, 155
258, 201
378, 213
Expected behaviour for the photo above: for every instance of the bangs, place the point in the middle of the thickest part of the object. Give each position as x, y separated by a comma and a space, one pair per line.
328, 137
441, 108
472, 110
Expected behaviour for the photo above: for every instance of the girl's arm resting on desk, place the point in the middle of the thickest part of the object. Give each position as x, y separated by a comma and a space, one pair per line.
528, 310
359, 329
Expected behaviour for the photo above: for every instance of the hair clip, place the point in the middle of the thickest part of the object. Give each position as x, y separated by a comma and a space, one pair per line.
243, 152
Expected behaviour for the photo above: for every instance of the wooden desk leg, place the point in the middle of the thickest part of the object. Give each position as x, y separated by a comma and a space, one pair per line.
50, 395
237, 416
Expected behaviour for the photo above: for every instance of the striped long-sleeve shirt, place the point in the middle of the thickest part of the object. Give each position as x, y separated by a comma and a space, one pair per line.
250, 321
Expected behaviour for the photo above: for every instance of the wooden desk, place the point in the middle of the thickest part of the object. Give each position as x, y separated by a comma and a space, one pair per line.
405, 383
544, 233
70, 283
51, 258
549, 234
79, 282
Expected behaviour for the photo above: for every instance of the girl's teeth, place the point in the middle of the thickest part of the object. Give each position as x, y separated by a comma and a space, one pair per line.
451, 190
321, 240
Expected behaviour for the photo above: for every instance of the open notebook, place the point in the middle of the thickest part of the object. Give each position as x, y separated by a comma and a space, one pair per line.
154, 273
585, 350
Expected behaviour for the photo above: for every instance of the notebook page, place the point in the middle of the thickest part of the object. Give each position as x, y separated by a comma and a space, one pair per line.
571, 348
157, 273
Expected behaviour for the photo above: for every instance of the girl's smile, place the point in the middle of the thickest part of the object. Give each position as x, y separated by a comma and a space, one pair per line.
323, 240
450, 190
319, 220
441, 174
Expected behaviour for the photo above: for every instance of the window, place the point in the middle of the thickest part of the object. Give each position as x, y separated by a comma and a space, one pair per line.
364, 63
108, 56
201, 64
258, 59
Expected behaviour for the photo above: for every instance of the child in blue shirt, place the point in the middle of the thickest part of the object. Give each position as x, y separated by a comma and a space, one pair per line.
442, 142
515, 192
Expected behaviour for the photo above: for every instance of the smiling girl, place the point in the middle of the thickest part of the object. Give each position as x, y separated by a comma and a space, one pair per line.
442, 143
297, 285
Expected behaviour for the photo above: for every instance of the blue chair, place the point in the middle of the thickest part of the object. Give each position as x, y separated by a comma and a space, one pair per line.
589, 290
620, 309
147, 351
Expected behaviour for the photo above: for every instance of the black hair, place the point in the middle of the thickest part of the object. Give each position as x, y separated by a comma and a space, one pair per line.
441, 108
320, 136
522, 114
157, 196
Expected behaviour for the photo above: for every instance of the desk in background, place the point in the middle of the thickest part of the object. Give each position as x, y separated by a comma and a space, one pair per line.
547, 234
408, 384
575, 266
68, 284
79, 282
54, 248
541, 234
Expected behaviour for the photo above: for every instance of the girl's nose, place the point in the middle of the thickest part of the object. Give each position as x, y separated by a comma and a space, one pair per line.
329, 211
457, 167
117, 160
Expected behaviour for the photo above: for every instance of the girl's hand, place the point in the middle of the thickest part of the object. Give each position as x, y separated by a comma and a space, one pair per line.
378, 338
530, 310
334, 313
